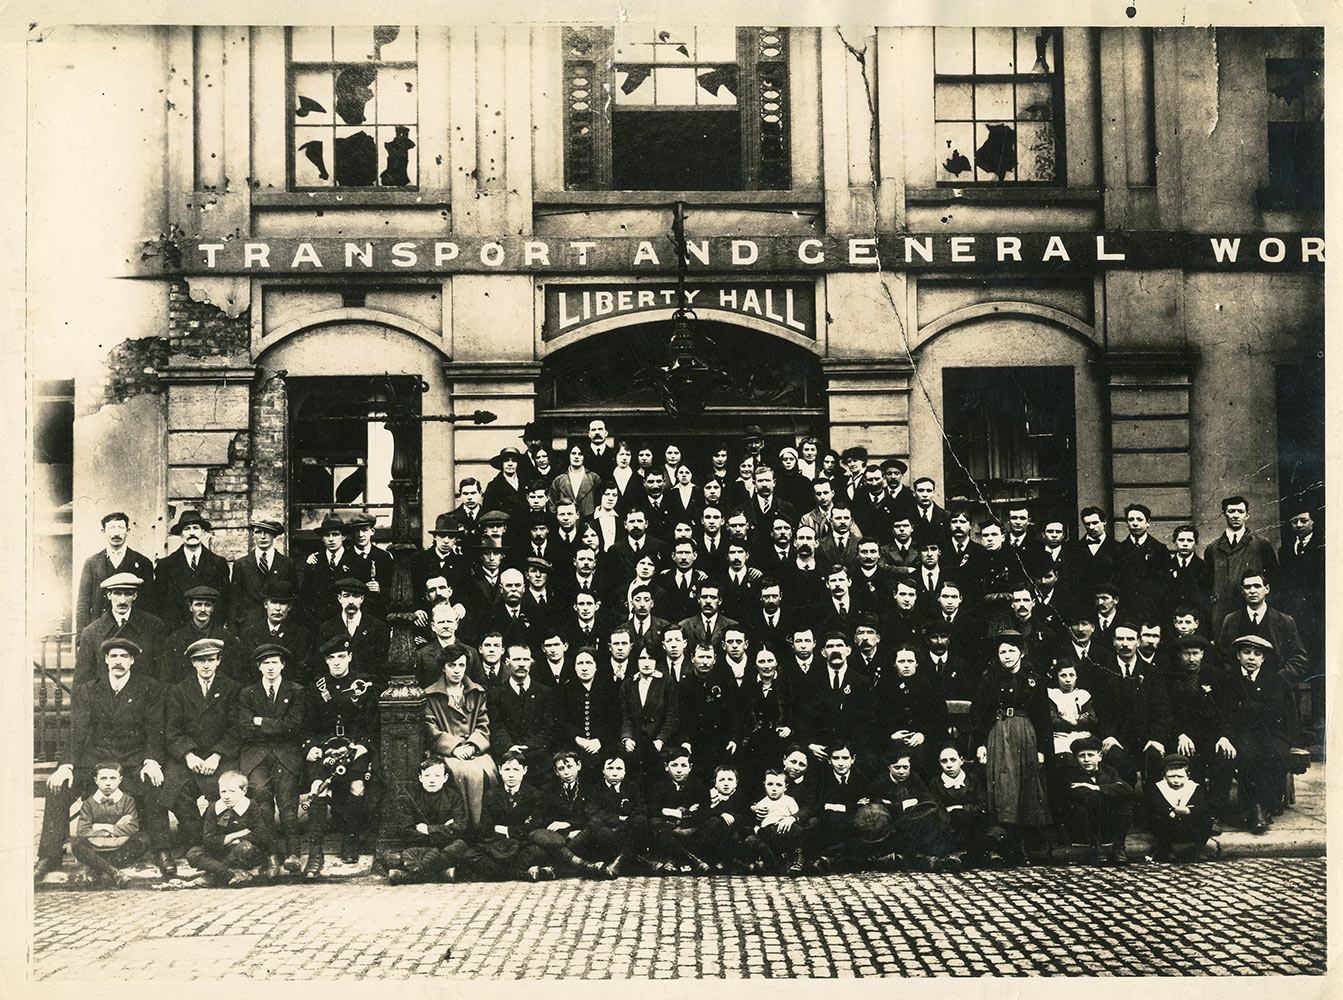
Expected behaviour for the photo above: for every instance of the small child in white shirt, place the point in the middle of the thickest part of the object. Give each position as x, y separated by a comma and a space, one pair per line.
777, 835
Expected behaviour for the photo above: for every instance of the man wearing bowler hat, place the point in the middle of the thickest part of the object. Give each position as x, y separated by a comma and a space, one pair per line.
200, 736
270, 718
204, 623
334, 561
115, 716
753, 443
116, 557
122, 619
192, 564
505, 491
444, 555
253, 571
278, 624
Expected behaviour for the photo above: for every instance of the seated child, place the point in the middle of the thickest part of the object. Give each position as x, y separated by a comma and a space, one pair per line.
108, 835
916, 826
237, 836
510, 812
777, 836
573, 809
963, 799
1097, 804
434, 844
723, 818
839, 793
1178, 812
619, 829
673, 805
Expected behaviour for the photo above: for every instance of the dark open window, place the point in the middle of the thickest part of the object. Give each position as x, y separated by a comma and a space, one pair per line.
353, 107
342, 454
1010, 439
1295, 81
998, 105
677, 109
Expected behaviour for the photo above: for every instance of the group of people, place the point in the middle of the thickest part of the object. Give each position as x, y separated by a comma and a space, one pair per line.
793, 663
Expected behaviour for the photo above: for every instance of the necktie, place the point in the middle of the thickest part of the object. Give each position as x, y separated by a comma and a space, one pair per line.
273, 690
331, 560
843, 607
192, 562
265, 563
205, 691
834, 679
1300, 546
928, 581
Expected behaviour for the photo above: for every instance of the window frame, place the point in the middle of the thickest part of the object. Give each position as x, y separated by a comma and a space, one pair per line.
291, 97
1058, 119
1292, 193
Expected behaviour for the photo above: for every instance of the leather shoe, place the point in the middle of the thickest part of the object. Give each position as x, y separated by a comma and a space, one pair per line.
272, 871
292, 863
238, 879
167, 866
1258, 821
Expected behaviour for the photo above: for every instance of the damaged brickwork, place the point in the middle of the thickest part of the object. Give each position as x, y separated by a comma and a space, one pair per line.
201, 330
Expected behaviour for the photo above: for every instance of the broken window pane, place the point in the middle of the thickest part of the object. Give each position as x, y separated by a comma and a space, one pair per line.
716, 85
674, 45
634, 85
673, 86
996, 155
1035, 102
346, 106
955, 147
1036, 152
1035, 50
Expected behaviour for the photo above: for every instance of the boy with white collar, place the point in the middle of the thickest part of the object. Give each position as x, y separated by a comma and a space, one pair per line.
1178, 812
108, 835
238, 837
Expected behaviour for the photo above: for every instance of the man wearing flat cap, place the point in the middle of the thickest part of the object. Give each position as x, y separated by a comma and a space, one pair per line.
1195, 725
278, 624
200, 735
115, 557
271, 723
191, 564
333, 561
1259, 727
252, 572
122, 619
505, 491
204, 623
369, 636
1256, 617
116, 716
359, 536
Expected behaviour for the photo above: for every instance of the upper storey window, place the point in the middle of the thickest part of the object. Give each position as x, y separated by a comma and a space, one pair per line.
695, 109
998, 105
353, 107
1295, 78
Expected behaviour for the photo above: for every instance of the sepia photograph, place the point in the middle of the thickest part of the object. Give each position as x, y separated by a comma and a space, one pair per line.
636, 493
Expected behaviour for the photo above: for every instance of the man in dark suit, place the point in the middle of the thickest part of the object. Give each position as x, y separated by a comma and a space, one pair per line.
764, 505
115, 558
1256, 617
1189, 579
1141, 563
739, 581
1133, 704
930, 520
368, 635
1300, 586
202, 604
643, 624
1093, 555
334, 561
873, 509
122, 619
964, 557
522, 713
707, 627
1259, 726
117, 716
200, 736
359, 537
649, 716
278, 625
842, 604
252, 572
900, 555
680, 580
840, 546
837, 710
270, 718
769, 625
599, 455
191, 565
442, 558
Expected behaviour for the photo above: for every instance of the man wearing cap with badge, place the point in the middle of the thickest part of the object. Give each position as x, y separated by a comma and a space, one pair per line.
252, 572
493, 527
122, 619
369, 636
116, 716
278, 624
200, 736
340, 750
116, 557
204, 623
192, 564
1259, 726
334, 561
271, 720
504, 491
480, 587
444, 555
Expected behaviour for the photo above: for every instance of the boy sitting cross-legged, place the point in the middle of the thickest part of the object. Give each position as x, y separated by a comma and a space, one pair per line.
237, 836
108, 835
434, 845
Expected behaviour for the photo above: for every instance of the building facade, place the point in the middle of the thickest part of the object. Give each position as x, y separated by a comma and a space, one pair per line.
1062, 266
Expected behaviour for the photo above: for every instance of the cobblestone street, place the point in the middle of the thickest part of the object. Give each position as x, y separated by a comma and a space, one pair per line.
1243, 917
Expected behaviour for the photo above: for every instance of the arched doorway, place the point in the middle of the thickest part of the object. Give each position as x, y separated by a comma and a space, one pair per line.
774, 384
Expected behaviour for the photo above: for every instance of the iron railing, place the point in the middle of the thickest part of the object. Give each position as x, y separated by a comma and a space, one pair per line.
53, 678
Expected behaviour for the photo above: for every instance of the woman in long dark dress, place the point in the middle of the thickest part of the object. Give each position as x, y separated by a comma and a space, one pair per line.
1010, 726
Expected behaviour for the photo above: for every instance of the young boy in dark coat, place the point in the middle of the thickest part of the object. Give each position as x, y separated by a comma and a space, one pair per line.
1178, 813
108, 836
673, 807
237, 837
434, 836
510, 813
1097, 804
964, 803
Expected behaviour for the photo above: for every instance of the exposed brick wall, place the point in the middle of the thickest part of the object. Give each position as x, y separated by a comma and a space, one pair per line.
131, 369
269, 476
201, 330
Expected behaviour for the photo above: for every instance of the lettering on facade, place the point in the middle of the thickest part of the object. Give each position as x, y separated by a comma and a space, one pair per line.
1026, 252
788, 306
